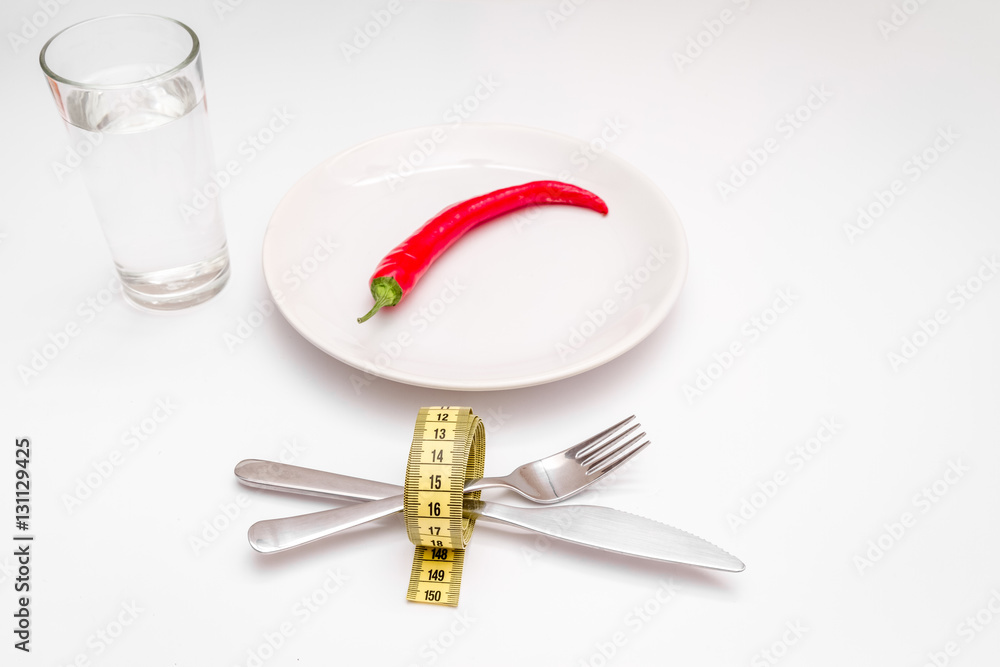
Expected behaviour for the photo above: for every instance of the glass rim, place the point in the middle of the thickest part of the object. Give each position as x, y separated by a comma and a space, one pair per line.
190, 58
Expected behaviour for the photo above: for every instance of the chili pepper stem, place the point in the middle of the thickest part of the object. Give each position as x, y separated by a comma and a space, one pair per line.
386, 291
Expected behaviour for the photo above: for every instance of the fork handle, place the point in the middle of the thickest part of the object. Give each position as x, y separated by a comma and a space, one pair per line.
487, 483
275, 476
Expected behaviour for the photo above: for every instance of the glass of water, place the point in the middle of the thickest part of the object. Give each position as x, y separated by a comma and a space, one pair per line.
131, 88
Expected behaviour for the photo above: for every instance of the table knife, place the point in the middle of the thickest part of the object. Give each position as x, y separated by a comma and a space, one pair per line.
588, 525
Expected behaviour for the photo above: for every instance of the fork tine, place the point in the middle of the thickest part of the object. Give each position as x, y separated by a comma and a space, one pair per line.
600, 450
618, 456
594, 441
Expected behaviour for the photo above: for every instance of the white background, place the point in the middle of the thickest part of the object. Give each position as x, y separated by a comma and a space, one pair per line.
131, 542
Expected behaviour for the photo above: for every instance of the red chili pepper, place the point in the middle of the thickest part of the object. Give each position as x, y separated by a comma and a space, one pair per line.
400, 270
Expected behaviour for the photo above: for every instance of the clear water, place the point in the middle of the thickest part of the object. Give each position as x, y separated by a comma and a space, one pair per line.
151, 155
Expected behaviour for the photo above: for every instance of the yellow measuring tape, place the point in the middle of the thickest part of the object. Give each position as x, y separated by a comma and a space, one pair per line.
449, 447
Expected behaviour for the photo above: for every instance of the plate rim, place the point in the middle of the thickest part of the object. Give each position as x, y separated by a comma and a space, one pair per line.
622, 346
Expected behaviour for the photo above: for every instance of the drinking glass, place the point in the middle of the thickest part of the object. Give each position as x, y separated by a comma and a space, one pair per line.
131, 91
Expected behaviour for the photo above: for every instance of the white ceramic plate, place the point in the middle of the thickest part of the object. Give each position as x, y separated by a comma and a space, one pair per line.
531, 297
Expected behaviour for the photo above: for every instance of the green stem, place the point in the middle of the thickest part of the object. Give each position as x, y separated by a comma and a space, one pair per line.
387, 292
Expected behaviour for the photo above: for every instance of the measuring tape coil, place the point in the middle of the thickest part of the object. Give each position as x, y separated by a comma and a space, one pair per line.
448, 448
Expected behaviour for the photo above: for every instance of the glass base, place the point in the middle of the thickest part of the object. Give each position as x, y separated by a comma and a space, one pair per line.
174, 289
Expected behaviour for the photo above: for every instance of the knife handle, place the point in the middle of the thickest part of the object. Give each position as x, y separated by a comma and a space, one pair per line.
275, 476
274, 535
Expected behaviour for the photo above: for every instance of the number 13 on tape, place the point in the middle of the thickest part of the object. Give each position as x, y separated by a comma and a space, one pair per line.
449, 447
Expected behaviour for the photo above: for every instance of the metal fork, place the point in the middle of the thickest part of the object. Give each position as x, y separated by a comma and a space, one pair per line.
548, 480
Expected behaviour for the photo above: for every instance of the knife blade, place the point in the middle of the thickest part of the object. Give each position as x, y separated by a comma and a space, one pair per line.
588, 525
